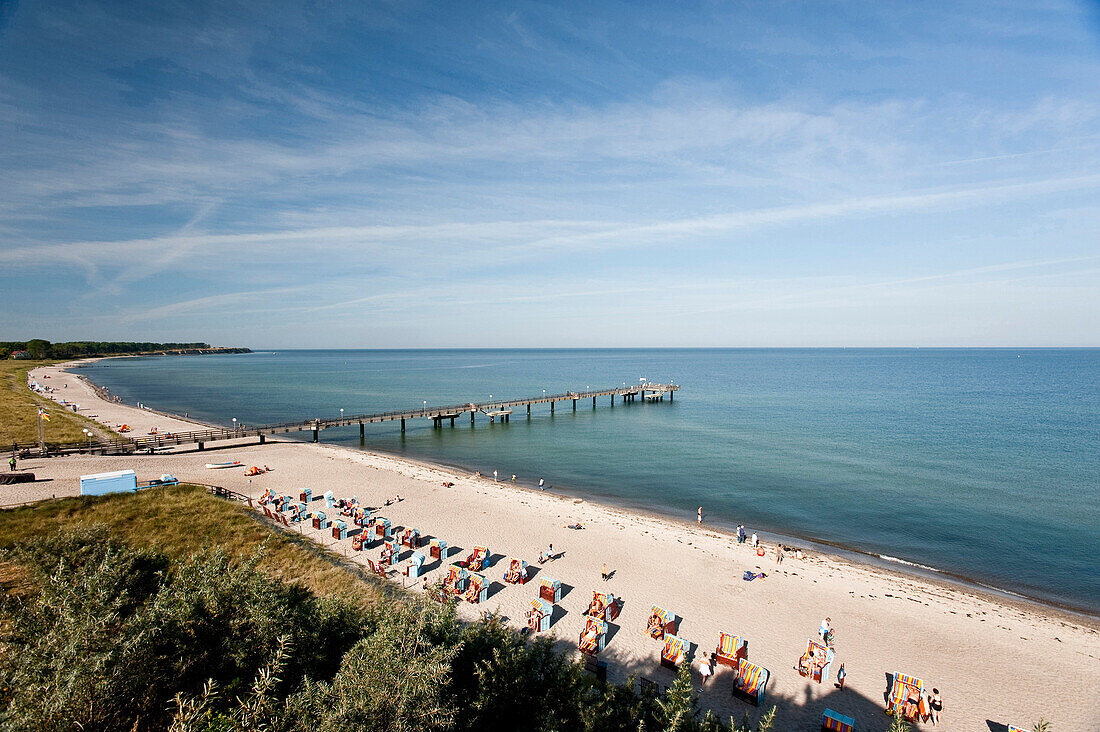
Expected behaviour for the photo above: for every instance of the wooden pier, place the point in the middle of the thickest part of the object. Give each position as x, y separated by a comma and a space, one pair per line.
501, 410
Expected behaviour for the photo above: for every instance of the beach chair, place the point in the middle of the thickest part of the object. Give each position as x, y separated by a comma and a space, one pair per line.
836, 722
358, 541
339, 529
410, 538
389, 553
550, 589
320, 522
517, 572
478, 559
603, 606
593, 637
661, 622
305, 495
815, 662
438, 549
750, 682
416, 561
731, 649
903, 690
456, 580
1014, 728
297, 511
330, 500
382, 528
478, 591
674, 652
539, 615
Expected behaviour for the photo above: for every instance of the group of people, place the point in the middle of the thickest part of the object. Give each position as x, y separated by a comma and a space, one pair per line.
742, 537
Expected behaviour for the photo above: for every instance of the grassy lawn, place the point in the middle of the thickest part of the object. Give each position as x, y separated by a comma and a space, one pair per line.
19, 407
182, 520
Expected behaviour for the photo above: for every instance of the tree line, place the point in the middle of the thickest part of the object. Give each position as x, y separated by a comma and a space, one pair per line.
38, 349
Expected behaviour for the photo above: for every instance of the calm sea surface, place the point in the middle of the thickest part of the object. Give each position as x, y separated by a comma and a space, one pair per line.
984, 463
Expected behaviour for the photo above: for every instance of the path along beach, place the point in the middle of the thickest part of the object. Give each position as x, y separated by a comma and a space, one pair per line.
994, 660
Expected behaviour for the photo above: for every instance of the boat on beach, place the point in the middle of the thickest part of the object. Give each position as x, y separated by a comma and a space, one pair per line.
217, 466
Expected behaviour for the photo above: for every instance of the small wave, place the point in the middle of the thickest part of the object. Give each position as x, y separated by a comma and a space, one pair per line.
888, 558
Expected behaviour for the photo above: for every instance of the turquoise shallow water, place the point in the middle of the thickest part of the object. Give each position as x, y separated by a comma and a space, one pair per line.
983, 463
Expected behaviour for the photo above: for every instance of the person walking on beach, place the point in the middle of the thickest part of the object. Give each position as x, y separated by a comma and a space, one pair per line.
542, 484
11, 463
755, 540
603, 572
700, 514
513, 477
740, 533
494, 476
778, 554
840, 674
935, 706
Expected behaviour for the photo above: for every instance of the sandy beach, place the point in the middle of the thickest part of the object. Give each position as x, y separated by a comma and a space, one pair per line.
994, 660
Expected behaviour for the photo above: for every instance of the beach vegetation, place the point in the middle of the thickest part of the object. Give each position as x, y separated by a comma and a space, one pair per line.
38, 349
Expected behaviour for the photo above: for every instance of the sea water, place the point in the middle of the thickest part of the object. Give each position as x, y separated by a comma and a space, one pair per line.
984, 463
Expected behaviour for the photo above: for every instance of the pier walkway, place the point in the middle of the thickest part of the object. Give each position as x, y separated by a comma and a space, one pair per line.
501, 410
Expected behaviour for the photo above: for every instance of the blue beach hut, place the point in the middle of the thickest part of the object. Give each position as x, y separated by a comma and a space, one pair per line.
339, 529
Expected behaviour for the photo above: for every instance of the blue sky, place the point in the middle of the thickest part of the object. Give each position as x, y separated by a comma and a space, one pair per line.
413, 174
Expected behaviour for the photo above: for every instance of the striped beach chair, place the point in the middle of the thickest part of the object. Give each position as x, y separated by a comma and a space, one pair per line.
672, 655
478, 591
751, 682
836, 722
456, 580
410, 538
517, 572
603, 606
816, 661
382, 527
731, 649
438, 549
339, 529
550, 589
320, 521
902, 688
539, 615
661, 622
593, 637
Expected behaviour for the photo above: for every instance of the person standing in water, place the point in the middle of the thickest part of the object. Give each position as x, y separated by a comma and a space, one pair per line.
542, 484
700, 514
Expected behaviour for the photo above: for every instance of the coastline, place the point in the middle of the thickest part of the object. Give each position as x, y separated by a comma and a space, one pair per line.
941, 613
841, 552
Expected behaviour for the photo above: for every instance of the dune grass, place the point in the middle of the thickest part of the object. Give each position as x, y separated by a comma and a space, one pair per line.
19, 409
182, 520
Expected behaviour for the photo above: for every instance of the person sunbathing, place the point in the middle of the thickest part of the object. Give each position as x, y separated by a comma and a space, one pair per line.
357, 542
595, 608
656, 626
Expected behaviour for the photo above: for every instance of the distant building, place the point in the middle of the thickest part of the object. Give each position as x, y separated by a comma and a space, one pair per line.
21, 355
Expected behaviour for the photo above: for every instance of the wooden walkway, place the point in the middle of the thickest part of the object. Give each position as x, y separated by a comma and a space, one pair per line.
494, 410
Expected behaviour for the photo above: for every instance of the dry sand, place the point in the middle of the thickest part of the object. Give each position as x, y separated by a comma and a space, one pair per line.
995, 661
